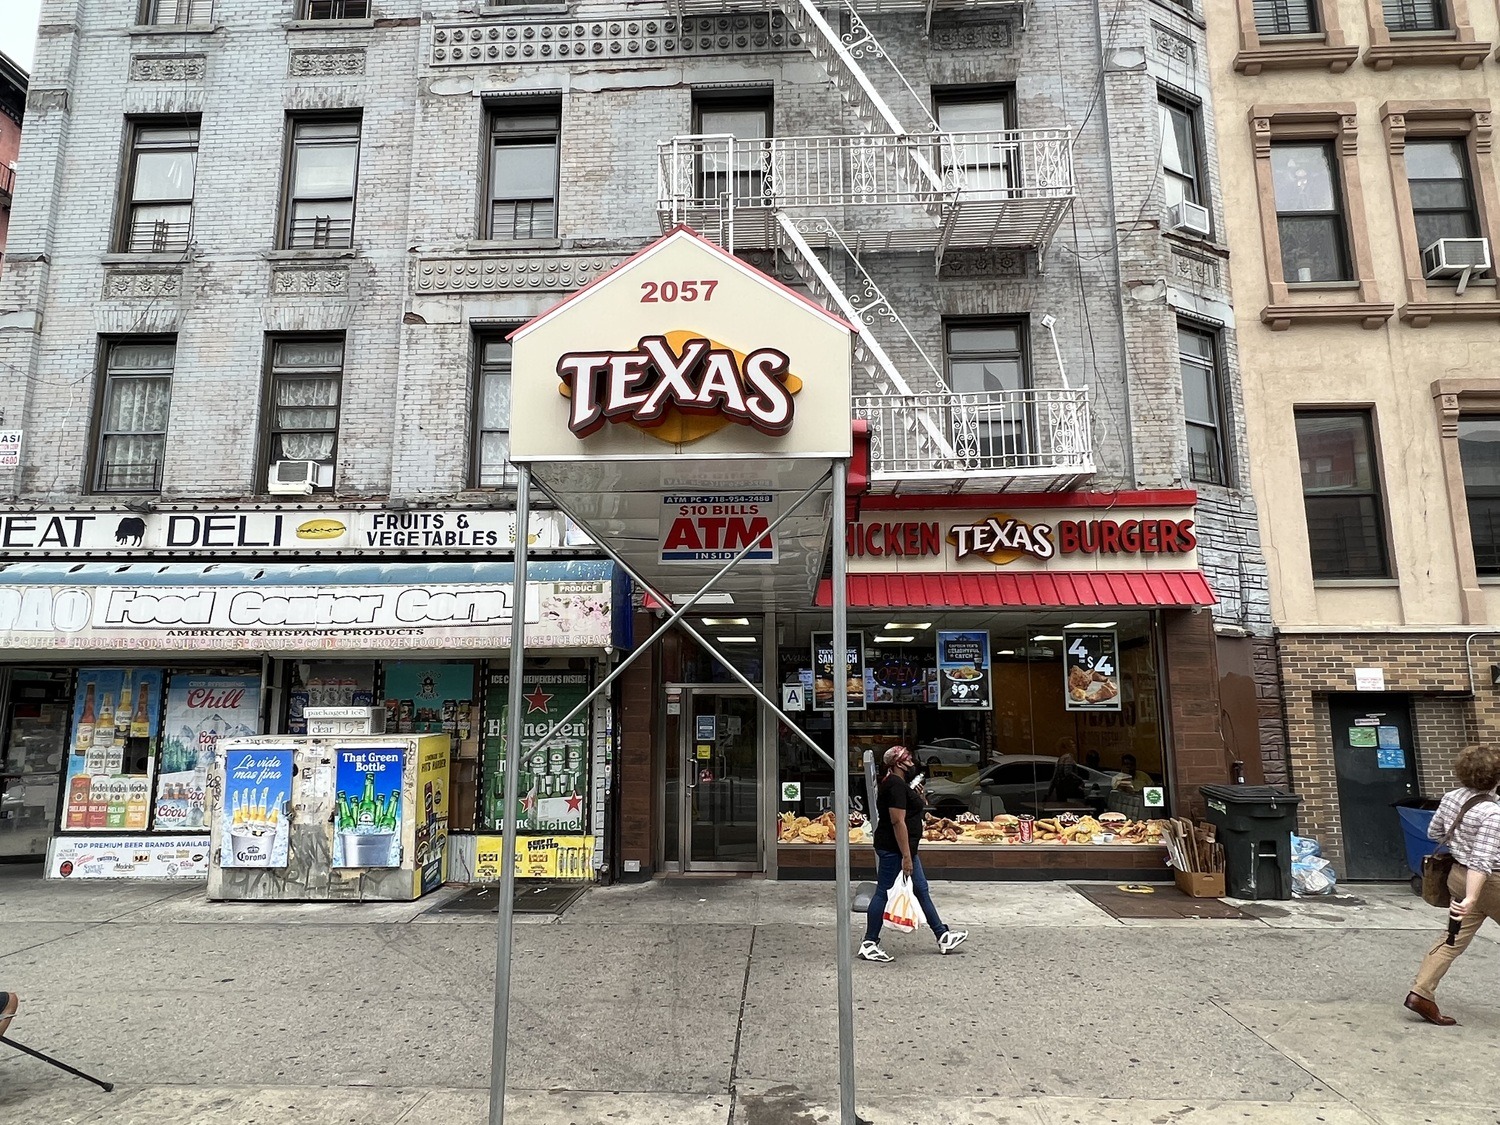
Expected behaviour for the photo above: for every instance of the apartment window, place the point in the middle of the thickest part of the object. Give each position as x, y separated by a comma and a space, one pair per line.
1180, 168
155, 12
523, 172
1442, 194
159, 195
1286, 17
492, 469
1479, 453
323, 170
1198, 354
1341, 492
987, 366
734, 147
134, 400
1415, 15
304, 391
335, 9
983, 156
1309, 212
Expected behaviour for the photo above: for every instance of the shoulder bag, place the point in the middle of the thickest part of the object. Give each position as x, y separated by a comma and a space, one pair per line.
1436, 867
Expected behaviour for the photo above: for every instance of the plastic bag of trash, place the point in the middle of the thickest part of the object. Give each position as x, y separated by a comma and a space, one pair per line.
1312, 875
1304, 847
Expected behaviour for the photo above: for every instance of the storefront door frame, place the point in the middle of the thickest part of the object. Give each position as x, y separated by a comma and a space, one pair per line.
686, 863
837, 475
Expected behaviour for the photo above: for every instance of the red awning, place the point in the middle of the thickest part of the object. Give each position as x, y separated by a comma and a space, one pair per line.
1107, 589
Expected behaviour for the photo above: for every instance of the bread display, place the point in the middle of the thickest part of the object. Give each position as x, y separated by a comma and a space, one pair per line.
1106, 829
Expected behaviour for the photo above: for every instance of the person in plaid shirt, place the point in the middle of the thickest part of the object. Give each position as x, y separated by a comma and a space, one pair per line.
1475, 844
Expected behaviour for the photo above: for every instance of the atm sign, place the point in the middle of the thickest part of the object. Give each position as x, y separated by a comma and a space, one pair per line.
715, 528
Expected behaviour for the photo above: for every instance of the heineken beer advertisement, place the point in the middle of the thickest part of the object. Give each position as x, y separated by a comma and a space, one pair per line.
200, 711
367, 816
554, 778
257, 787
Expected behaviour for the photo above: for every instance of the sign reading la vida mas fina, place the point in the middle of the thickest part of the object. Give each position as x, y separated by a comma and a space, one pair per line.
288, 530
1034, 539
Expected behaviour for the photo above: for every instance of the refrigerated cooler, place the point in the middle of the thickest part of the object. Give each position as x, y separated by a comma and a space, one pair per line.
308, 818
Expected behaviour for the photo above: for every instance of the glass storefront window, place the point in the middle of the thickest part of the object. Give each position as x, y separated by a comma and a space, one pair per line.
1047, 727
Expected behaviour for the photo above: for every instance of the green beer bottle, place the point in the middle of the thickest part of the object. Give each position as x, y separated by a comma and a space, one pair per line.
368, 803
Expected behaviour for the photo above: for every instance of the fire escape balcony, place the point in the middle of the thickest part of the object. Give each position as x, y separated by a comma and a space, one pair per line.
914, 192
1032, 440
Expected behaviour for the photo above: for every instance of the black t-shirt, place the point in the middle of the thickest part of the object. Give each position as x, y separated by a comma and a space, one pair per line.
895, 793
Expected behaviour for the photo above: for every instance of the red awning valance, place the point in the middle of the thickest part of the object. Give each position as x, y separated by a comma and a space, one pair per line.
1150, 589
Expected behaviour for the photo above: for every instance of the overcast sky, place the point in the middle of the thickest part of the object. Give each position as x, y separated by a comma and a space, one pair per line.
18, 29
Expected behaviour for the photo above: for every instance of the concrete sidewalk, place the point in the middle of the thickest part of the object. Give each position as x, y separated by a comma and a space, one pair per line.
713, 1003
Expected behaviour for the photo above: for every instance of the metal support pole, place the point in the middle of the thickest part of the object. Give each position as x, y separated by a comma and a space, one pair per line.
500, 1035
837, 518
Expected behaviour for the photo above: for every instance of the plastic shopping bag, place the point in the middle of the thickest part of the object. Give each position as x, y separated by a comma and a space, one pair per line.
902, 911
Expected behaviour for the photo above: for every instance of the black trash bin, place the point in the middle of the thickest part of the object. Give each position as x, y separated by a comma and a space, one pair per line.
1255, 824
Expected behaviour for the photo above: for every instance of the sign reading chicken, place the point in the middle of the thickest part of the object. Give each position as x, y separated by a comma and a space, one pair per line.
1091, 666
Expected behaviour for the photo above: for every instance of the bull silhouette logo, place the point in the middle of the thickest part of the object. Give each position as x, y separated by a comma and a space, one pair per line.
130, 532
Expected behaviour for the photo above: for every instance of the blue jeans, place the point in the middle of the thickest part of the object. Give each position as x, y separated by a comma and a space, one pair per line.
889, 866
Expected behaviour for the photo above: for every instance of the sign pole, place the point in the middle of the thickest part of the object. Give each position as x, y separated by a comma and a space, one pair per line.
500, 1035
845, 905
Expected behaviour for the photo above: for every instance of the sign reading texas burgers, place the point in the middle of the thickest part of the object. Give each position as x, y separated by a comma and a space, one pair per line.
682, 350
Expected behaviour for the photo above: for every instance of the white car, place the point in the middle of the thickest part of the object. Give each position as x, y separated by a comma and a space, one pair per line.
956, 755
1014, 782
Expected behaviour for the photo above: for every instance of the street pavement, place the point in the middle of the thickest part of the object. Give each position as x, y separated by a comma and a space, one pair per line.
695, 1002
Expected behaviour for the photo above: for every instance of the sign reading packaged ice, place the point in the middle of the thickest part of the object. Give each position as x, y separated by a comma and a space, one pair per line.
367, 827
964, 668
717, 527
257, 787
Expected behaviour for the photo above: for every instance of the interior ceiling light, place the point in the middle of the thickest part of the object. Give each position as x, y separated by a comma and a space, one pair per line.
1089, 624
737, 640
884, 639
908, 624
1048, 637
713, 597
1006, 652
726, 621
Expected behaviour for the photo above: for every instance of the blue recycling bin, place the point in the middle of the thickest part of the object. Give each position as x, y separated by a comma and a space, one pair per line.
1415, 814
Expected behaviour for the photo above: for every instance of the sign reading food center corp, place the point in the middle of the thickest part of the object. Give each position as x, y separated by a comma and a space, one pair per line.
681, 351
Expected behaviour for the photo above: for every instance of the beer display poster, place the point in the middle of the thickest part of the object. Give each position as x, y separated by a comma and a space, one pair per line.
253, 815
200, 711
963, 671
822, 658
432, 813
111, 749
430, 697
367, 809
1091, 670
554, 779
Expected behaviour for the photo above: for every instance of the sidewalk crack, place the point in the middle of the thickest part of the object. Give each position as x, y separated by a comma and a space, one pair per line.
739, 1029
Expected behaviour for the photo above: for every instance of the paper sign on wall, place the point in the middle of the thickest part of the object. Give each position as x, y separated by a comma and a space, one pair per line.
1369, 679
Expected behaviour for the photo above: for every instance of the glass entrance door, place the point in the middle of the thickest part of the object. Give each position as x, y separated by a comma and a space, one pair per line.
720, 781
34, 715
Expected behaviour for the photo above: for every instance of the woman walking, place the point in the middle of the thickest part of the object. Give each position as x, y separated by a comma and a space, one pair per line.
901, 806
1468, 820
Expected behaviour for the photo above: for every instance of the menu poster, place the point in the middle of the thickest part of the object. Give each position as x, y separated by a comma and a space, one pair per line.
200, 711
822, 658
257, 788
964, 671
1091, 670
111, 749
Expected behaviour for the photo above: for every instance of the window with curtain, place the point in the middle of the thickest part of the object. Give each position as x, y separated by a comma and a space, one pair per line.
1479, 453
321, 182
492, 415
1198, 354
523, 172
159, 197
735, 163
983, 155
156, 12
1415, 15
1341, 494
133, 406
1180, 170
984, 360
306, 380
1442, 193
1286, 17
1310, 212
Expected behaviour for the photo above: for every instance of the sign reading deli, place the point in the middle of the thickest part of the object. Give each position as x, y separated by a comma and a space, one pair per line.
1025, 539
200, 531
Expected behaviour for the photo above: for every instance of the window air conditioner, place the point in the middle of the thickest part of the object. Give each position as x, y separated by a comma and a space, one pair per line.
1456, 257
292, 478
1190, 217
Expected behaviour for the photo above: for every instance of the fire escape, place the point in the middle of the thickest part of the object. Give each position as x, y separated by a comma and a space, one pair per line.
891, 189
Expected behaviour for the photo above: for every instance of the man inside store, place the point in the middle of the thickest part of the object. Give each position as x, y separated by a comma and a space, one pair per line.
1133, 780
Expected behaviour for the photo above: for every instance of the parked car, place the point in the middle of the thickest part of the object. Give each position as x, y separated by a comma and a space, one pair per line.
957, 758
1015, 782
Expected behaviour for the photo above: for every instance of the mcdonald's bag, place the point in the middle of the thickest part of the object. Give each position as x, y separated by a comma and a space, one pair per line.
902, 910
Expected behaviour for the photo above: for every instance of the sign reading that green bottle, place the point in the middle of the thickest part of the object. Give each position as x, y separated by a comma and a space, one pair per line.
554, 777
367, 826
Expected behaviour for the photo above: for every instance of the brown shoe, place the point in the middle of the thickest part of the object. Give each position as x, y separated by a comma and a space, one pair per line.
1428, 1010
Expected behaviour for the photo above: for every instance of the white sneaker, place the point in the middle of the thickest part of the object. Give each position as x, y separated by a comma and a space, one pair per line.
871, 951
951, 940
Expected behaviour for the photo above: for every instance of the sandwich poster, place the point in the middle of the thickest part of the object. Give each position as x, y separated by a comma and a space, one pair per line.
823, 671
1091, 671
963, 671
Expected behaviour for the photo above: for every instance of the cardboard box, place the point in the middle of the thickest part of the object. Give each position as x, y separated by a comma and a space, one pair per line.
1199, 884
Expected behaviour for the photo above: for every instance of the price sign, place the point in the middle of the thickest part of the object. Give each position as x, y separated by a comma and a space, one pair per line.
964, 671
1091, 671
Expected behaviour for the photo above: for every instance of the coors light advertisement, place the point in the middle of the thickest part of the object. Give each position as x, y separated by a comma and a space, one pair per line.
200, 711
